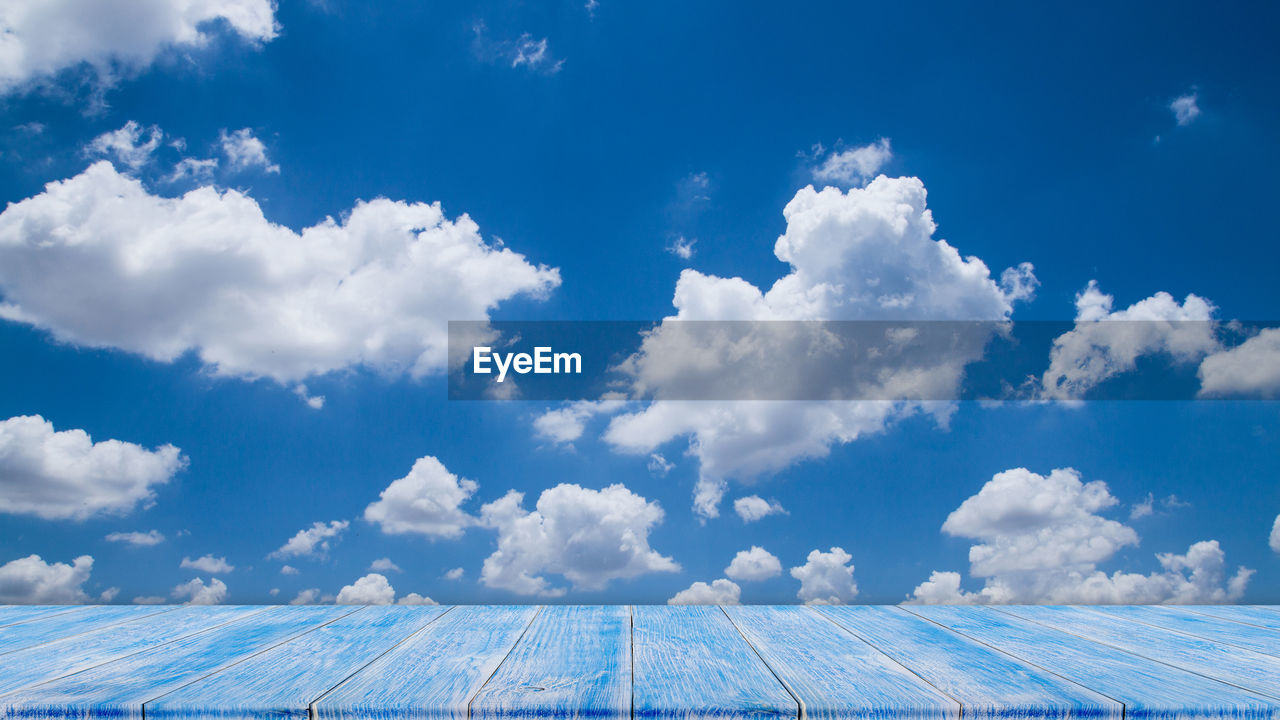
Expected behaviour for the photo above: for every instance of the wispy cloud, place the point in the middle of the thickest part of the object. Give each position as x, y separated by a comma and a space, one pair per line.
525, 51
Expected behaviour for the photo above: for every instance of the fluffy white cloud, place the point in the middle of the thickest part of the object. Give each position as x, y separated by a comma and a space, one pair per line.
32, 581
99, 261
312, 541
427, 501
1250, 368
244, 151
1106, 343
1042, 538
719, 592
127, 145
1275, 535
826, 578
384, 565
454, 574
199, 593
755, 563
148, 600
753, 507
288, 570
659, 465
65, 475
209, 564
682, 247
372, 589
306, 597
1186, 108
194, 169
39, 38
137, 539
854, 165
564, 425
415, 599
588, 536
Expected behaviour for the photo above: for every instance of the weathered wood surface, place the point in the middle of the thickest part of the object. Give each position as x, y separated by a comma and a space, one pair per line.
617, 662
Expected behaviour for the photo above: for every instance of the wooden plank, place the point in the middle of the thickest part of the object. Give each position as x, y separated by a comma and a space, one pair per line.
1256, 615
691, 662
1243, 668
14, 614
70, 655
49, 628
1223, 631
283, 681
1147, 689
434, 673
988, 684
119, 688
575, 661
834, 674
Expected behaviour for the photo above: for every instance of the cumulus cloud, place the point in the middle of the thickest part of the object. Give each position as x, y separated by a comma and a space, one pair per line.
454, 574
199, 593
1275, 535
32, 581
1041, 538
1186, 108
755, 563
208, 564
427, 501
193, 169
137, 539
148, 600
416, 599
590, 537
719, 592
244, 151
127, 145
312, 541
826, 578
288, 570
1252, 368
40, 38
525, 52
682, 247
384, 565
306, 597
854, 165
753, 507
564, 425
99, 261
372, 589
59, 475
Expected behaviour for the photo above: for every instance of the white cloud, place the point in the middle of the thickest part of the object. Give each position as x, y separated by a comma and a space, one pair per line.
32, 581
753, 507
59, 475
99, 261
1250, 368
372, 589
194, 169
754, 564
244, 151
719, 592
682, 247
312, 541
137, 539
1186, 108
415, 599
315, 402
564, 425
149, 600
659, 465
288, 570
826, 578
454, 574
1042, 538
109, 594
1106, 343
384, 565
306, 597
1275, 535
198, 593
526, 51
1144, 508
126, 145
590, 537
209, 564
855, 165
39, 38
427, 501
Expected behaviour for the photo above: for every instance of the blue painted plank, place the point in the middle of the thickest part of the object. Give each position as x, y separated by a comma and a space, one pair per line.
1256, 615
70, 655
988, 684
119, 688
1243, 668
283, 681
434, 673
1224, 631
1149, 690
835, 675
49, 628
691, 662
574, 661
13, 614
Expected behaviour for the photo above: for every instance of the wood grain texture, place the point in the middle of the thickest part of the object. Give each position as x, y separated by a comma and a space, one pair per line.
835, 675
691, 662
434, 673
13, 614
1243, 668
574, 661
1149, 690
988, 684
1210, 628
71, 655
119, 688
283, 681
1255, 615
49, 628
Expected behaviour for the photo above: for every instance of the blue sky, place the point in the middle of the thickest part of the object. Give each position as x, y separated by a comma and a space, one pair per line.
588, 144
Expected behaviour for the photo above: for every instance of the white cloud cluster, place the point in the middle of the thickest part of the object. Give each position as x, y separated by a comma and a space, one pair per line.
427, 501
312, 541
39, 38
208, 564
375, 589
1042, 538
564, 425
719, 592
127, 145
137, 539
64, 474
1186, 108
753, 564
198, 592
384, 565
854, 165
32, 581
1251, 368
826, 578
753, 507
682, 247
244, 151
99, 261
589, 537
1275, 535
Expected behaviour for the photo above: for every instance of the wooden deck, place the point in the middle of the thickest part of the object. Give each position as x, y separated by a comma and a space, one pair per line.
606, 662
